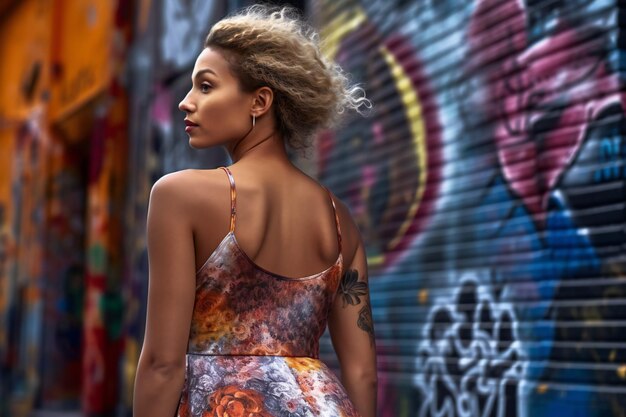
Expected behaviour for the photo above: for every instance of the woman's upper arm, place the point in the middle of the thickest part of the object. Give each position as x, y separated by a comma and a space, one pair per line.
350, 321
171, 285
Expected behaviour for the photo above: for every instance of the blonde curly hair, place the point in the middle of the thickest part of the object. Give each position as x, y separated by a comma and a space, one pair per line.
272, 46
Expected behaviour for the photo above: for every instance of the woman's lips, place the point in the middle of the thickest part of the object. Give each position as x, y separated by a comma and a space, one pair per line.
189, 125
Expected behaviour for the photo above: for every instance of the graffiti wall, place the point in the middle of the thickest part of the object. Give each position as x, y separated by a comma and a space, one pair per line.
63, 118
489, 187
488, 184
24, 144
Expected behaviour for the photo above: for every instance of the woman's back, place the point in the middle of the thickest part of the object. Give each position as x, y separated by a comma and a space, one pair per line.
284, 221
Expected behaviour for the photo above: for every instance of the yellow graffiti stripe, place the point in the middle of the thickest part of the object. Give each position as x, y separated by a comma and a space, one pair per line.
338, 28
413, 110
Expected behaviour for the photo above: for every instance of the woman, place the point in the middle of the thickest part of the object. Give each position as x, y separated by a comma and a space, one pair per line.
236, 300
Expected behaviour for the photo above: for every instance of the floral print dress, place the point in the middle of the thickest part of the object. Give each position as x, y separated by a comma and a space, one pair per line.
254, 343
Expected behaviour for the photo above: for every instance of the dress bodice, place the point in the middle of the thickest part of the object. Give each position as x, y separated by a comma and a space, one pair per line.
242, 309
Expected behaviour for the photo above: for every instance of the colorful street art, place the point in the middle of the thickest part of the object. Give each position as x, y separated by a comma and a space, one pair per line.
489, 183
62, 308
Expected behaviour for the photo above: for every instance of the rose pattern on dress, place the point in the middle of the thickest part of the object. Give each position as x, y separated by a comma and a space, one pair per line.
231, 401
262, 386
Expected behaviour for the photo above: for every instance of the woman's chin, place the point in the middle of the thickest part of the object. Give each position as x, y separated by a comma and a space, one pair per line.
195, 143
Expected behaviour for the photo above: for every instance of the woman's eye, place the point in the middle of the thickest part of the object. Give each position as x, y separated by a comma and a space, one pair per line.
205, 87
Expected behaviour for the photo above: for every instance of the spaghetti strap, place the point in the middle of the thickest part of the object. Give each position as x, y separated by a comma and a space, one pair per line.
233, 199
336, 219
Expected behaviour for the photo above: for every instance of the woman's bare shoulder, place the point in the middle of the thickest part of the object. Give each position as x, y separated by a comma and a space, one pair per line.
186, 186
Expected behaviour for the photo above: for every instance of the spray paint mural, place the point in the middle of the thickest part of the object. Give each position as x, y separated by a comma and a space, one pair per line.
489, 185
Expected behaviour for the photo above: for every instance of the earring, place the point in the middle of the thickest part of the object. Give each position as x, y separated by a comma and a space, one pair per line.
253, 120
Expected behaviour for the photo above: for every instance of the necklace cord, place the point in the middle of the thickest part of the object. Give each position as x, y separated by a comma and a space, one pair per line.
256, 144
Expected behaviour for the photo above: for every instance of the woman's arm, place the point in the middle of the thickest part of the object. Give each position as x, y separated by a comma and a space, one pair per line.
171, 291
352, 333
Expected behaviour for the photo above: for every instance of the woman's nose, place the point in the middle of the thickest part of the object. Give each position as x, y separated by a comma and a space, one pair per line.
185, 105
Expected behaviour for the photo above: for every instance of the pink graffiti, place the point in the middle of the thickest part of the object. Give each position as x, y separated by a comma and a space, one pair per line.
544, 98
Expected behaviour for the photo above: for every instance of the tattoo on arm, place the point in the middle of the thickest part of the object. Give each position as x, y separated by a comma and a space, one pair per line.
352, 290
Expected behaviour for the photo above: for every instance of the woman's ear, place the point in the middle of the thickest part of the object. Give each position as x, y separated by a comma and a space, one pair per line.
262, 100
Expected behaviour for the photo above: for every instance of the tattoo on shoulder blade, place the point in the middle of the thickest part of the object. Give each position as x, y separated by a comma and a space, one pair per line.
365, 321
350, 288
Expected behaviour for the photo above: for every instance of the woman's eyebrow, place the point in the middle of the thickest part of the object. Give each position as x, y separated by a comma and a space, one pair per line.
202, 71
